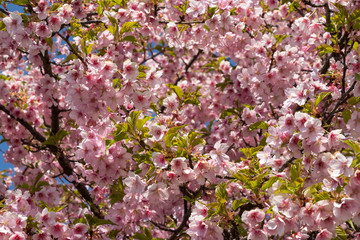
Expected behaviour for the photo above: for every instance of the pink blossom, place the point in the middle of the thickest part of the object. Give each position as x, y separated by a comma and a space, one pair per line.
313, 130
275, 226
157, 193
42, 236
159, 160
345, 210
324, 234
42, 30
14, 23
340, 165
335, 137
134, 183
57, 230
253, 217
171, 103
354, 122
130, 70
41, 8
178, 165
197, 227
157, 131
80, 229
249, 116
18, 236
219, 153
45, 217
272, 3
257, 234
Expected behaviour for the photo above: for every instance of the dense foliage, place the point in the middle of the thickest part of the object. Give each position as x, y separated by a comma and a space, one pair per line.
180, 119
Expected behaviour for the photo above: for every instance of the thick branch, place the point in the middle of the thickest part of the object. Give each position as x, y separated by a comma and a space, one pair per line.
25, 124
4, 11
187, 213
188, 66
62, 159
285, 165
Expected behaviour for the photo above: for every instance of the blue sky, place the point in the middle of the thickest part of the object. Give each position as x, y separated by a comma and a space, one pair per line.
3, 148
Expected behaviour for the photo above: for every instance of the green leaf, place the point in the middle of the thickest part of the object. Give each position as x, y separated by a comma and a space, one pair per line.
171, 134
177, 90
55, 7
324, 49
293, 6
321, 196
238, 203
59, 208
40, 185
140, 236
117, 191
357, 77
122, 3
228, 112
269, 183
2, 26
113, 234
356, 46
147, 233
112, 20
69, 58
346, 115
129, 39
280, 38
59, 136
220, 192
94, 221
341, 9
243, 179
211, 11
341, 234
250, 152
140, 122
294, 172
50, 141
20, 2
353, 144
117, 138
354, 100
242, 230
258, 125
320, 97
24, 185
129, 26
132, 119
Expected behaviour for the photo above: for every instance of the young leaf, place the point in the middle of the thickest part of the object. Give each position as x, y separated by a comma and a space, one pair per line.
269, 183
171, 134
129, 39
129, 26
238, 203
353, 144
346, 115
320, 97
177, 90
258, 125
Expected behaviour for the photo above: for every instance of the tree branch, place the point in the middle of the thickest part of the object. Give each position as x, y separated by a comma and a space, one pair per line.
73, 50
25, 124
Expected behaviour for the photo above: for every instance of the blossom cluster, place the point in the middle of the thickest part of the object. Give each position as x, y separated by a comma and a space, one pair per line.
174, 119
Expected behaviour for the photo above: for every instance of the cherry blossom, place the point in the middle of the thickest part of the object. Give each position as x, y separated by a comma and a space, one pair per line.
219, 119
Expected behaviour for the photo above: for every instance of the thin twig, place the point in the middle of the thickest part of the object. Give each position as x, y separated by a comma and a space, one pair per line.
73, 50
